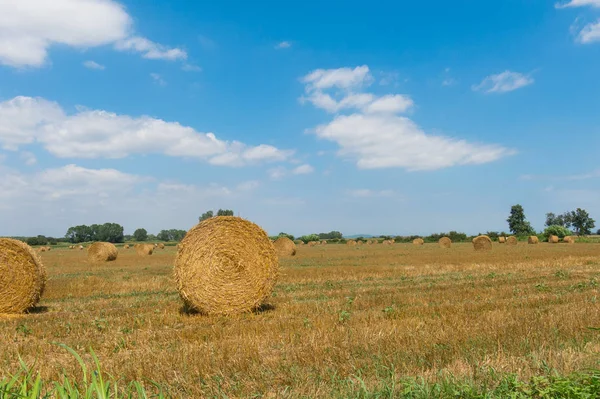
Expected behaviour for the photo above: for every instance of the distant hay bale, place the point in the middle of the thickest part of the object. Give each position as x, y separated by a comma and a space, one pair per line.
48, 248
359, 242
323, 242
102, 252
161, 246
553, 239
533, 240
512, 240
312, 243
569, 239
418, 241
445, 242
482, 243
502, 240
81, 247
351, 243
284, 246
144, 249
42, 249
22, 276
388, 242
226, 265
126, 246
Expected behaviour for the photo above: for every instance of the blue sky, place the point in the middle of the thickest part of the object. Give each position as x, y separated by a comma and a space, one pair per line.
396, 118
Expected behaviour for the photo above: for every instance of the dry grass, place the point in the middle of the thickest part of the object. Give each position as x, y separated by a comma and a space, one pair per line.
338, 314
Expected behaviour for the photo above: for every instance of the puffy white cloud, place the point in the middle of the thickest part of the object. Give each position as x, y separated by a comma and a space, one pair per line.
375, 136
579, 3
504, 82
93, 65
283, 45
590, 33
101, 134
383, 141
303, 169
28, 28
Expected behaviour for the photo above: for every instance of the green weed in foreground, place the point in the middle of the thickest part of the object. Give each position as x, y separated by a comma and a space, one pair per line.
96, 385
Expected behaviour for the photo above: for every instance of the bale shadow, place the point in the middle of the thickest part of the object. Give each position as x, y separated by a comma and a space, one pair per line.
185, 310
38, 310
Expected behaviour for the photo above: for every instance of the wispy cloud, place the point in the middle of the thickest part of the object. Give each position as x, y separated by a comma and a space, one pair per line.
590, 33
367, 193
504, 82
207, 42
579, 3
191, 68
158, 79
594, 174
93, 65
283, 45
303, 170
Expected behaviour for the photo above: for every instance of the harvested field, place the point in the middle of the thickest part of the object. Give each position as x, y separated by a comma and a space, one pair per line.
338, 315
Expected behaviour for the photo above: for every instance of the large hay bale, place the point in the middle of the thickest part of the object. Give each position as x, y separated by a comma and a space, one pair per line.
569, 239
144, 249
533, 240
553, 239
512, 240
418, 241
284, 246
502, 240
226, 265
445, 242
22, 276
482, 243
102, 252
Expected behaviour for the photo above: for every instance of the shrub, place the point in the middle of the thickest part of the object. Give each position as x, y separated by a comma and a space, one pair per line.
559, 231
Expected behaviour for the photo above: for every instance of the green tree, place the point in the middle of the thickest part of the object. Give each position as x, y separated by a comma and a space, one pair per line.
79, 234
39, 240
517, 223
291, 237
564, 220
309, 238
582, 222
224, 212
171, 235
140, 235
206, 215
558, 231
332, 235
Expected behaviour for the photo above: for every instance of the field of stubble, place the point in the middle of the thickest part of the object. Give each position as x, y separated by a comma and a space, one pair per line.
340, 320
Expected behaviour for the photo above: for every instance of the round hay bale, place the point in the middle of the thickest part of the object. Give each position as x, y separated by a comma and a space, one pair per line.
226, 265
102, 252
482, 243
533, 240
323, 242
359, 242
569, 239
42, 249
445, 242
512, 240
351, 243
48, 248
126, 246
389, 242
502, 240
553, 239
81, 247
418, 241
285, 247
161, 246
22, 276
144, 249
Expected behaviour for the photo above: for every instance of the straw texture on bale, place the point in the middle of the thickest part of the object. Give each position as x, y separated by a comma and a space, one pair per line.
553, 239
144, 249
512, 240
22, 276
312, 243
284, 246
226, 265
502, 240
418, 241
445, 242
482, 243
102, 252
569, 239
533, 240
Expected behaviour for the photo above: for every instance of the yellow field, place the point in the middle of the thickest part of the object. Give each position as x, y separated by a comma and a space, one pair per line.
340, 316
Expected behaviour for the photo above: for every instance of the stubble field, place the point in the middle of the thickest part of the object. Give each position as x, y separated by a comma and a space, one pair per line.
342, 321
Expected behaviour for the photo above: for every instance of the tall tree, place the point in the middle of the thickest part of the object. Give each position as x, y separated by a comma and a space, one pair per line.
564, 220
224, 212
206, 215
517, 223
140, 235
582, 222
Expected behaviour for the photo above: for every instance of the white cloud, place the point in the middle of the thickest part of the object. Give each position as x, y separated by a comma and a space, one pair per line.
504, 82
29, 28
375, 136
277, 173
341, 78
158, 79
191, 68
590, 33
449, 82
579, 3
93, 65
367, 193
150, 50
102, 134
248, 185
303, 170
29, 158
283, 45
383, 141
